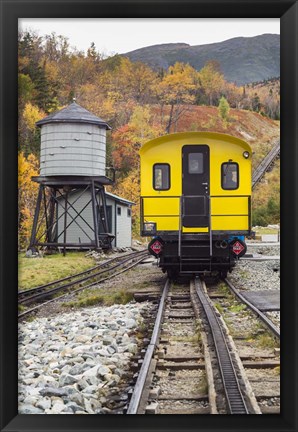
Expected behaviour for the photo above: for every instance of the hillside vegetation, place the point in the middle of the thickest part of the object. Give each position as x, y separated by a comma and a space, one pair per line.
140, 104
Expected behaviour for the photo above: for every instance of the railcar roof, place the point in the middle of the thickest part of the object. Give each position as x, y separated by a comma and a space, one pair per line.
183, 136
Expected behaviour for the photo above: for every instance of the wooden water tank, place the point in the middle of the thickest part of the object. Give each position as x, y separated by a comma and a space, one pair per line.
73, 143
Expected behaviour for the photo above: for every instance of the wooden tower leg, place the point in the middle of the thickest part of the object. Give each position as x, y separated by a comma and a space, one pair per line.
65, 223
95, 216
52, 209
35, 220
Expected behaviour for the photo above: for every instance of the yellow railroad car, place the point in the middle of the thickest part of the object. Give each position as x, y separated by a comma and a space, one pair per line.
196, 201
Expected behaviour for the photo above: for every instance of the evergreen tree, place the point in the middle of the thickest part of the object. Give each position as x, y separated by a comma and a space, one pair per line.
256, 104
223, 108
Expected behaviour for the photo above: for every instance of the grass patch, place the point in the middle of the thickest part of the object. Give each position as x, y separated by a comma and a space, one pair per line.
224, 289
203, 386
266, 341
102, 298
237, 308
38, 271
243, 273
264, 230
219, 307
139, 286
194, 338
261, 337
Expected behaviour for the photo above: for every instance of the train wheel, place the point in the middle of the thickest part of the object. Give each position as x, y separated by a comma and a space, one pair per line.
223, 274
173, 275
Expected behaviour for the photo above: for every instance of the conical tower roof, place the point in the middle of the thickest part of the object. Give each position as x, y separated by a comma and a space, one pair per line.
73, 113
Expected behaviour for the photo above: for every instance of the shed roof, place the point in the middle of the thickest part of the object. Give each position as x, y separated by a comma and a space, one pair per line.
73, 113
109, 195
119, 199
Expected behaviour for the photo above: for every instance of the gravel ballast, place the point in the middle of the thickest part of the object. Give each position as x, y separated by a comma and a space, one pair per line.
73, 363
254, 275
259, 276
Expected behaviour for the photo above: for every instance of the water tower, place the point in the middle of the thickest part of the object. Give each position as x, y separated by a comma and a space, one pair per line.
72, 166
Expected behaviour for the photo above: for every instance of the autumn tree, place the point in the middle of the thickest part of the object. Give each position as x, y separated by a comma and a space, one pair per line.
27, 193
129, 188
212, 81
32, 64
177, 89
128, 139
232, 93
29, 135
122, 80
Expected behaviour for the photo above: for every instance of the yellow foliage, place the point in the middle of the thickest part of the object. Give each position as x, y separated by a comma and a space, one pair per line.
51, 70
141, 124
27, 167
212, 80
178, 85
129, 188
31, 115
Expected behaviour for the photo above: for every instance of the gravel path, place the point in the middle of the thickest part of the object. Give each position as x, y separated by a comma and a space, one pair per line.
74, 363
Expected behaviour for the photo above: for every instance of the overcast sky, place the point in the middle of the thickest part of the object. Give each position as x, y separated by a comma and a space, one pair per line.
120, 35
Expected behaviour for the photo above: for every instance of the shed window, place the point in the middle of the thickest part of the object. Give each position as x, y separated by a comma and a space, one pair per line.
119, 211
195, 163
229, 175
128, 212
161, 176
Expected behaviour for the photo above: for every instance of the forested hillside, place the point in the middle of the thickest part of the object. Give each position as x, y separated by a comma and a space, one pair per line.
139, 103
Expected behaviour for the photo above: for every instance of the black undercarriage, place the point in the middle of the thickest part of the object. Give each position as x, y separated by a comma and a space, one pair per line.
196, 254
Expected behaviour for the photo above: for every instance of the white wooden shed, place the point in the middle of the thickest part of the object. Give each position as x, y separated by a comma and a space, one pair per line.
79, 229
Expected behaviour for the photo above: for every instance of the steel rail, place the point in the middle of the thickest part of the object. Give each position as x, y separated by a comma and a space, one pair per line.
47, 285
272, 327
43, 294
265, 164
27, 312
140, 383
232, 390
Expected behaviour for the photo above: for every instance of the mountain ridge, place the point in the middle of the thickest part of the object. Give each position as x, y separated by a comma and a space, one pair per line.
242, 59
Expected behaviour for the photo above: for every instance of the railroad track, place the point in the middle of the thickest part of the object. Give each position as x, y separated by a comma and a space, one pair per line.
170, 360
255, 338
97, 274
271, 326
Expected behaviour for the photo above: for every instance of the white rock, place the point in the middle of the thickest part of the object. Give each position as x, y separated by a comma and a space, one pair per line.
103, 370
66, 379
91, 372
90, 389
29, 409
131, 323
57, 408
44, 403
30, 400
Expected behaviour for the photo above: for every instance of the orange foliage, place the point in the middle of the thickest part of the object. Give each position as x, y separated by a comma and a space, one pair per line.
125, 154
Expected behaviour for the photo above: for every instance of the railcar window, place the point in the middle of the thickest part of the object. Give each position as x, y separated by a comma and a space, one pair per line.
229, 175
161, 176
195, 163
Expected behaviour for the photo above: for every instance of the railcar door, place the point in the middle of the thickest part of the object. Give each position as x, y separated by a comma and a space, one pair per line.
195, 185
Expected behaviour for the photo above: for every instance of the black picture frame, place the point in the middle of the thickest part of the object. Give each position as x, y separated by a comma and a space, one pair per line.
10, 11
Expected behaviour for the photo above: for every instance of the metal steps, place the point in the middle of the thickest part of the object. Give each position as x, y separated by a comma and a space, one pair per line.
184, 247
